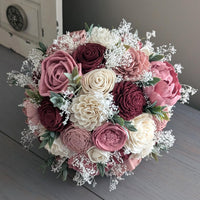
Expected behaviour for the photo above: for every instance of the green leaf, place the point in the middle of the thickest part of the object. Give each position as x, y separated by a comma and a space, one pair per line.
129, 126
117, 119
75, 72
56, 99
158, 111
34, 95
126, 46
48, 163
52, 134
154, 156
42, 46
69, 76
50, 141
43, 143
152, 82
101, 168
86, 27
155, 57
64, 175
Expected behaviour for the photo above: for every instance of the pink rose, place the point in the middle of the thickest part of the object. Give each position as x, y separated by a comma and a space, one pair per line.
76, 139
78, 37
134, 71
167, 90
52, 74
109, 137
31, 111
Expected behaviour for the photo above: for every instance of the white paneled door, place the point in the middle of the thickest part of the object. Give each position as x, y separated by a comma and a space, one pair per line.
25, 23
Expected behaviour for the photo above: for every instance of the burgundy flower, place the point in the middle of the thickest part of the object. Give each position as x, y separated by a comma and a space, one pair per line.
90, 55
130, 99
50, 116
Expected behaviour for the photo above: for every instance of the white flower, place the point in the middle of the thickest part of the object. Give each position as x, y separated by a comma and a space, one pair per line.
58, 149
103, 36
98, 156
147, 50
87, 112
142, 141
98, 80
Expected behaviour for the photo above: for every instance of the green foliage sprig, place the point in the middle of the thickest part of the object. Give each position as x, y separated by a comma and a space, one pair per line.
155, 57
42, 48
48, 138
64, 171
101, 168
152, 82
34, 95
119, 120
158, 111
74, 80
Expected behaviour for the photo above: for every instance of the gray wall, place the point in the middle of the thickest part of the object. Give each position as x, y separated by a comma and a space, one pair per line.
175, 21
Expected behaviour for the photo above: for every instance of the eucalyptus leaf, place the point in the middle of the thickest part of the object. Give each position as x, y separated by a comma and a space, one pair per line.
117, 119
101, 168
43, 143
69, 76
155, 57
152, 82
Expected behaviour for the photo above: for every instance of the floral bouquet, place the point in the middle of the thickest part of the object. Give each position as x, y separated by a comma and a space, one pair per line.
98, 100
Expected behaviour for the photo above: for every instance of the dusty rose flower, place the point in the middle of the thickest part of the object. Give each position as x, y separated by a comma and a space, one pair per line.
139, 64
76, 139
53, 69
90, 55
98, 80
50, 116
167, 90
109, 137
31, 111
129, 98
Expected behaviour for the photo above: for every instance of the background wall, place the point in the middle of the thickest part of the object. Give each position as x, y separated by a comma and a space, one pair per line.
175, 21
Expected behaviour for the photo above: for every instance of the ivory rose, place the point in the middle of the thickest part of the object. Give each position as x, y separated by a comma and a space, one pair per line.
98, 80
141, 142
58, 149
168, 90
52, 74
97, 155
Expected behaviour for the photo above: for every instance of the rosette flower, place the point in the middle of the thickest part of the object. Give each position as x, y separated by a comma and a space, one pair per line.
141, 142
52, 74
31, 111
50, 116
140, 64
76, 139
103, 36
129, 98
98, 80
97, 155
168, 90
58, 149
90, 55
87, 112
109, 137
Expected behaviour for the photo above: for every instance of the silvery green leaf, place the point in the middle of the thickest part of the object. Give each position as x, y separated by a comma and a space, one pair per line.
69, 76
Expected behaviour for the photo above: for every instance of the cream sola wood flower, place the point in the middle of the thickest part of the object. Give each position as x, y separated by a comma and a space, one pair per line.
99, 80
87, 112
142, 141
